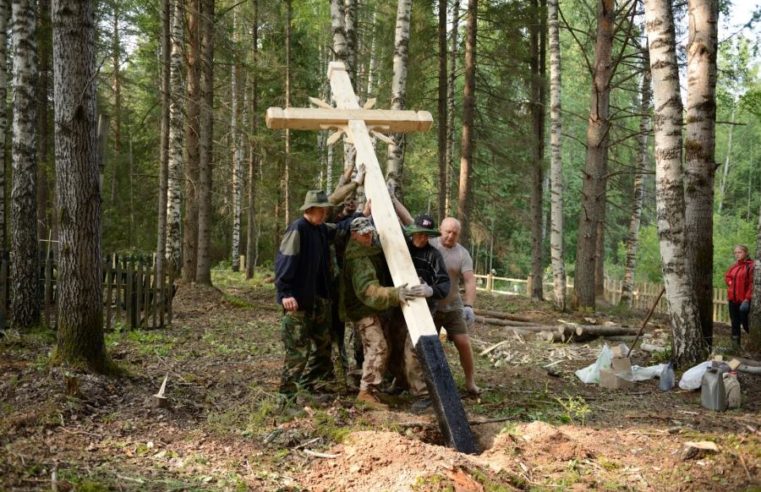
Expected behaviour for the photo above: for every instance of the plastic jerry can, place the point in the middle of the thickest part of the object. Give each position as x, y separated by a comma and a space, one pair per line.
712, 393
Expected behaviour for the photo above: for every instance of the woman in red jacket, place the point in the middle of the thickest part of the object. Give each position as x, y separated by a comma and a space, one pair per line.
739, 280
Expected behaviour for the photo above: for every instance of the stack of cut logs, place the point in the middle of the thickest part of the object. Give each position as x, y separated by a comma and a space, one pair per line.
563, 332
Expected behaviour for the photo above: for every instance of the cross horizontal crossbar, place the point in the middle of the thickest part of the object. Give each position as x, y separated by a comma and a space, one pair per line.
384, 120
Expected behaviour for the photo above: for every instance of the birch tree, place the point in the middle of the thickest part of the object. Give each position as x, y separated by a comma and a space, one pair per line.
206, 143
5, 11
467, 143
176, 124
25, 302
192, 132
688, 346
700, 143
754, 320
395, 163
593, 176
236, 152
286, 179
632, 238
350, 28
556, 164
161, 233
80, 296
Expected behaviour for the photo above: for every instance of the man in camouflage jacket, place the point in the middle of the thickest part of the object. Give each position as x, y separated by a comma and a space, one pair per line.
365, 294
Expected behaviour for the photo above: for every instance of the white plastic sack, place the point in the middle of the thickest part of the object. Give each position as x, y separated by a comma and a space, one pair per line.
693, 377
649, 372
591, 373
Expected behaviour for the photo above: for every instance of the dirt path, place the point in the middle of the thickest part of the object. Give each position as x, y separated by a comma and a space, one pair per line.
540, 428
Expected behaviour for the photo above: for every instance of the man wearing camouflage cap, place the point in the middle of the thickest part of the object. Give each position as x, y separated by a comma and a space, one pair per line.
365, 294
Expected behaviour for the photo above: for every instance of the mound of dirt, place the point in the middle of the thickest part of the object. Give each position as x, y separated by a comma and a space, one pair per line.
369, 461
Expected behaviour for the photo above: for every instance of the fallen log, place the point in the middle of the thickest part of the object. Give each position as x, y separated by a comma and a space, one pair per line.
565, 334
604, 330
498, 314
512, 324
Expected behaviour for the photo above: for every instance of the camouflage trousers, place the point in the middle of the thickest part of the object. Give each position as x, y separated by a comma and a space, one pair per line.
413, 370
375, 350
306, 338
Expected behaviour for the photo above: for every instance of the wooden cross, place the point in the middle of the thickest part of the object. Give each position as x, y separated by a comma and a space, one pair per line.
358, 124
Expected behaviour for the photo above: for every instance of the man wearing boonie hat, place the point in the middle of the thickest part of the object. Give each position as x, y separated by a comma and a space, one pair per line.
365, 293
302, 283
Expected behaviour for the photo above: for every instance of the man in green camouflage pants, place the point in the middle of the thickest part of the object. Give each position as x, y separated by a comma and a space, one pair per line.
364, 297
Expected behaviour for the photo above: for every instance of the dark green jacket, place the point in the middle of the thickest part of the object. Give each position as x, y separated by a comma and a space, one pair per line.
364, 278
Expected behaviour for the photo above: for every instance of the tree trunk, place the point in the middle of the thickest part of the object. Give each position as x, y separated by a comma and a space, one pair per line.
235, 152
192, 131
727, 157
161, 233
176, 124
687, 338
44, 159
451, 103
468, 142
80, 296
699, 146
600, 246
754, 340
556, 164
395, 164
536, 65
350, 27
632, 239
5, 11
442, 109
286, 178
206, 152
253, 158
593, 186
25, 302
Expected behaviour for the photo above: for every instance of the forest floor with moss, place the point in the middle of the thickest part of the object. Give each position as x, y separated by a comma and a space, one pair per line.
539, 428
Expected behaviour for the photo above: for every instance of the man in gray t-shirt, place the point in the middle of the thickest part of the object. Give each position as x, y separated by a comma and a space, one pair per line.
451, 312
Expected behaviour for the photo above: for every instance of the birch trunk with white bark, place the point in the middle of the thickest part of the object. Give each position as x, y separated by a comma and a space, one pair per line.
236, 155
688, 346
25, 302
176, 139
556, 163
395, 163
166, 46
5, 11
699, 148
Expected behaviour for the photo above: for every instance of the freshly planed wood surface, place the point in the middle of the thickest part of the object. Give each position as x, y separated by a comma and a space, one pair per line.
384, 120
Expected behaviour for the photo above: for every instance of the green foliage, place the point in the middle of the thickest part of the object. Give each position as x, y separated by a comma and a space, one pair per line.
575, 409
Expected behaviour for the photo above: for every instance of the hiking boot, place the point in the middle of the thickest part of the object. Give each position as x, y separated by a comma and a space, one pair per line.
368, 398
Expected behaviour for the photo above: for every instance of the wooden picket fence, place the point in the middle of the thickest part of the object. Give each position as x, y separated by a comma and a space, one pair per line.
643, 296
133, 295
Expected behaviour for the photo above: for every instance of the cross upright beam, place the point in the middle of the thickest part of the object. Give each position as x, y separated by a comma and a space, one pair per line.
354, 121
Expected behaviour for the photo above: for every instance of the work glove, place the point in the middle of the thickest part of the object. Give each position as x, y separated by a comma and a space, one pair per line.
745, 306
360, 177
427, 289
405, 293
468, 315
419, 290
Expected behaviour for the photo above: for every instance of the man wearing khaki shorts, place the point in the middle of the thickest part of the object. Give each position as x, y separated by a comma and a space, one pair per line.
454, 313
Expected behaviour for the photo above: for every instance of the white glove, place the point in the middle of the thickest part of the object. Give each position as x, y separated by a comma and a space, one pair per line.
468, 315
427, 289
